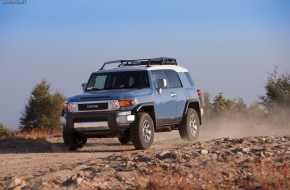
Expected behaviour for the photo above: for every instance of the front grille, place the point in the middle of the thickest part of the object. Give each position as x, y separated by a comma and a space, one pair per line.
93, 106
90, 119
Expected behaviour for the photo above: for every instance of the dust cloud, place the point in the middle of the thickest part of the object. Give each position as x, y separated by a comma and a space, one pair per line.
244, 125
234, 127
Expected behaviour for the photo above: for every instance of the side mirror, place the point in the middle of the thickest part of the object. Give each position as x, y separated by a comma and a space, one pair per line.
84, 85
161, 84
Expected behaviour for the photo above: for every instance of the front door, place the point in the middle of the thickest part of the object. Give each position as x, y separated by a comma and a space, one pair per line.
165, 102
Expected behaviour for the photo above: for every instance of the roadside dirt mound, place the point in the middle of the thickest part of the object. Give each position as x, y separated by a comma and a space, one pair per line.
29, 145
223, 163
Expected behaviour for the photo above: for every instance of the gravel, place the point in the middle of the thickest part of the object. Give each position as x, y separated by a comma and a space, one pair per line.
234, 163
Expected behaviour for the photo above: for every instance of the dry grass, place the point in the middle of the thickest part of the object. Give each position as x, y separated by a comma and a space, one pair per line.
35, 133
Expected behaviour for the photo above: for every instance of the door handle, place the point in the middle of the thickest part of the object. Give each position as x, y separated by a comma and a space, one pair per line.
172, 94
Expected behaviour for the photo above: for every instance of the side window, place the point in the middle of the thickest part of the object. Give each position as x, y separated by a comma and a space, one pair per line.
174, 80
159, 75
189, 79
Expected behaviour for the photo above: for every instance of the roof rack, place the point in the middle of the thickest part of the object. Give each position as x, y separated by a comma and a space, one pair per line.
145, 62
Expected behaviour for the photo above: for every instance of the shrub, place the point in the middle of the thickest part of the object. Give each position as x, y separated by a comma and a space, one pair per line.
3, 131
277, 91
43, 110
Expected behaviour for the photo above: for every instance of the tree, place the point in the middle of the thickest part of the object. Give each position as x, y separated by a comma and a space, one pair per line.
255, 111
43, 109
241, 106
3, 130
219, 104
277, 90
229, 107
206, 105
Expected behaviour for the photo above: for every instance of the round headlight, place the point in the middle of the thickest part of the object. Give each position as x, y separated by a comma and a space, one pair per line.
114, 105
72, 107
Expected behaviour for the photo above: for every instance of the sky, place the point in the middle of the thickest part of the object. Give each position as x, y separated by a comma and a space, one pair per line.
228, 46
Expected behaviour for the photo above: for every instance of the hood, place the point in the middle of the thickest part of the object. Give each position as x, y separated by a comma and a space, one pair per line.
117, 94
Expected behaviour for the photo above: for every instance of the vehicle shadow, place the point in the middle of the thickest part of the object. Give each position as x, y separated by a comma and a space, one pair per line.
21, 145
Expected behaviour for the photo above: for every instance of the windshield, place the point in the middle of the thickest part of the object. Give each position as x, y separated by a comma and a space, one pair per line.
118, 80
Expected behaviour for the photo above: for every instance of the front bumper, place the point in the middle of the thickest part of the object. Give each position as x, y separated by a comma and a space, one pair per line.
98, 121
87, 126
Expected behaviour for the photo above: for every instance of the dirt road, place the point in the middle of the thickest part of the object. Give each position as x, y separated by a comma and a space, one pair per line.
22, 157
45, 162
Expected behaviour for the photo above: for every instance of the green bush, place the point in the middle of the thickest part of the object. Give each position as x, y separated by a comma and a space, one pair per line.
3, 131
277, 91
231, 108
43, 110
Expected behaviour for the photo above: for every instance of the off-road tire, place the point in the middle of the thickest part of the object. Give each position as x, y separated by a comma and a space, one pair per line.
81, 141
124, 140
73, 141
142, 131
189, 127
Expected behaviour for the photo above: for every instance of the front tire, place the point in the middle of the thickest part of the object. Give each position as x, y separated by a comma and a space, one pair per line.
142, 131
189, 127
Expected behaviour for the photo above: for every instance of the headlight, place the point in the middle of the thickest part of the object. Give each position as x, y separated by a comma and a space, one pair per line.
113, 105
72, 107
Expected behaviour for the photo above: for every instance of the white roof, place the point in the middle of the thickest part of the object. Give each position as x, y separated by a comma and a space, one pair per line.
151, 68
172, 67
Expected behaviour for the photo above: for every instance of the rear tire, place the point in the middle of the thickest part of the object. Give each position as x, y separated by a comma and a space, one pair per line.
81, 141
142, 131
73, 141
189, 127
124, 140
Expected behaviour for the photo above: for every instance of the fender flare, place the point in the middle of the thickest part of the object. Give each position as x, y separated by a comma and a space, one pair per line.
198, 110
144, 105
139, 106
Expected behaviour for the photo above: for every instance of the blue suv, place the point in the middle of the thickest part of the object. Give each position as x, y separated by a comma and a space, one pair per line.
132, 101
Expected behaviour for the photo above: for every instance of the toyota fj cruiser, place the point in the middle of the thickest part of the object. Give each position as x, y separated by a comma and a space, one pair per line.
132, 101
